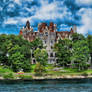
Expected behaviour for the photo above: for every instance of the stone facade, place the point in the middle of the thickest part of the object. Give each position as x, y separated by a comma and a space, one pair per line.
49, 36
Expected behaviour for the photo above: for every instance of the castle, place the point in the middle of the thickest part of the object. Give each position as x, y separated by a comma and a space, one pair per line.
49, 36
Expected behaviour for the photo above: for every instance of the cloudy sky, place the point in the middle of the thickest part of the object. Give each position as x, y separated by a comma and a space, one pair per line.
65, 13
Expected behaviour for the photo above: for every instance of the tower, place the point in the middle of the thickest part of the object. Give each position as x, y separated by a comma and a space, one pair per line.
28, 24
75, 29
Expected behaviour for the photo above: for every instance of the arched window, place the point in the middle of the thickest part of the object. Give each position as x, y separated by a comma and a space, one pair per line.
34, 62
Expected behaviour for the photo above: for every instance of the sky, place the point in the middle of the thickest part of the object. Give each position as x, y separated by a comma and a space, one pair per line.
64, 13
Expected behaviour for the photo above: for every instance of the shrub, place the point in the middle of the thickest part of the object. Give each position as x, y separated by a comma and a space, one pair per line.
25, 76
39, 69
8, 76
4, 70
84, 74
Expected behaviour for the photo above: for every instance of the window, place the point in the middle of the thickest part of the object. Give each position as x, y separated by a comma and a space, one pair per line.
56, 60
46, 33
45, 42
51, 47
32, 55
34, 61
55, 55
51, 54
41, 35
51, 41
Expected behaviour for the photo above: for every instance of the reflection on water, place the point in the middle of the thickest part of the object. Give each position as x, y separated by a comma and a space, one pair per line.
79, 85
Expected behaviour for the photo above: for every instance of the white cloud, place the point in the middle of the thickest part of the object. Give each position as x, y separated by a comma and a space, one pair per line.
1, 8
47, 11
11, 21
86, 21
17, 1
84, 2
50, 11
64, 27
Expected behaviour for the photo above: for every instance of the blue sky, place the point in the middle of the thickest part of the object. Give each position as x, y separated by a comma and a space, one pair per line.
65, 13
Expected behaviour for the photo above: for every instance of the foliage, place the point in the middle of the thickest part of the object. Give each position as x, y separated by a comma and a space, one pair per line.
80, 54
22, 76
3, 70
15, 52
73, 52
76, 37
63, 51
8, 76
39, 69
37, 43
89, 40
41, 56
16, 61
84, 74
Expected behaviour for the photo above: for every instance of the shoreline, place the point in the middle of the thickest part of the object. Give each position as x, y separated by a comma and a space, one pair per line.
36, 78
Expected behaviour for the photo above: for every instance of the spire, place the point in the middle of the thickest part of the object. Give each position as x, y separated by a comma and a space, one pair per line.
28, 24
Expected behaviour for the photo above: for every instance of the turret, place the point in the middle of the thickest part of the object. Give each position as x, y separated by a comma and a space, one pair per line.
74, 28
28, 24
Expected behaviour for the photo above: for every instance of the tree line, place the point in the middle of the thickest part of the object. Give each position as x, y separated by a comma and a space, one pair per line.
15, 52
75, 53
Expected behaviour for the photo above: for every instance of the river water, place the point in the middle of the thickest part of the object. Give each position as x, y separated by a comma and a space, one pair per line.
74, 85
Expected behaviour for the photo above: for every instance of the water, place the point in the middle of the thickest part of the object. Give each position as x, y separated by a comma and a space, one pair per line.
79, 85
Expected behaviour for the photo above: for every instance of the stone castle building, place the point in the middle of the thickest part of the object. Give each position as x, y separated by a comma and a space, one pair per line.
49, 36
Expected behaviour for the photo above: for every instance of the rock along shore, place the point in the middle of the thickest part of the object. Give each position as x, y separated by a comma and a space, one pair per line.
51, 77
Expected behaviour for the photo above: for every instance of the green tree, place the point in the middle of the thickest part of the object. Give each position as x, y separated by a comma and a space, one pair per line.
22, 58
39, 69
77, 37
37, 43
17, 62
12, 44
80, 54
63, 52
41, 56
89, 40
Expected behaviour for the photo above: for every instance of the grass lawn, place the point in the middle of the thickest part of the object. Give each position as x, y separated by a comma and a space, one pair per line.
50, 70
66, 71
33, 67
5, 70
